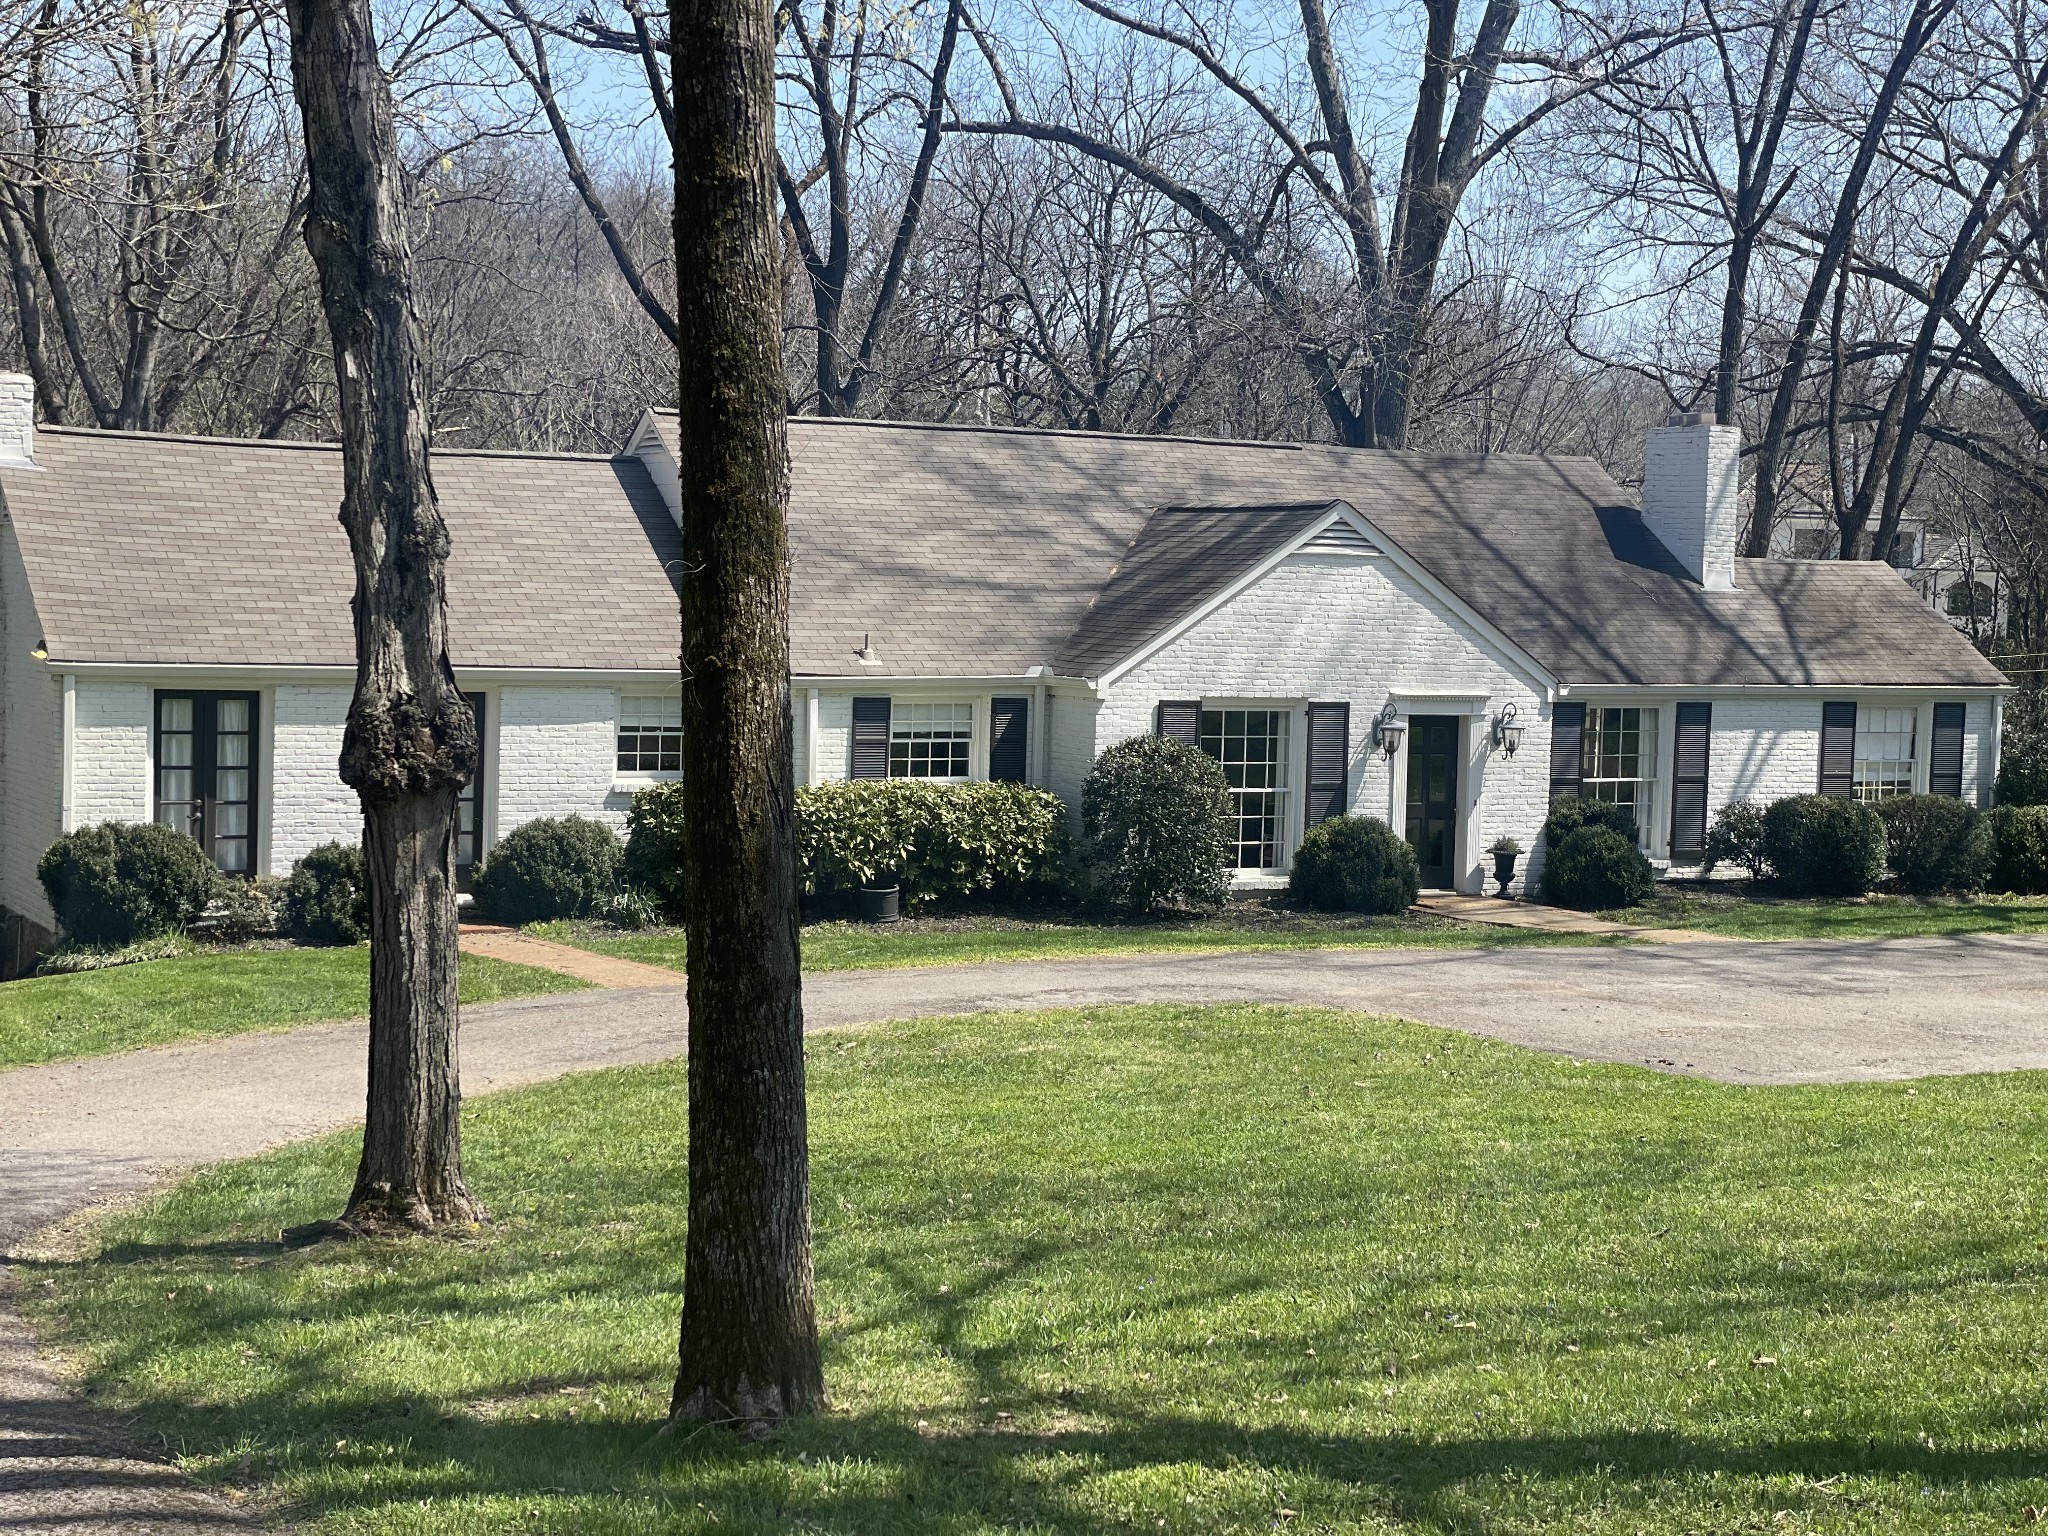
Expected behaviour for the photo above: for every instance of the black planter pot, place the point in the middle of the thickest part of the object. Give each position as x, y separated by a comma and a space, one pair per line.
1504, 870
881, 904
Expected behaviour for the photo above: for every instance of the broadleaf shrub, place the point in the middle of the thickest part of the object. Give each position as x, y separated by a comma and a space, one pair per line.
1354, 864
654, 847
1156, 826
2023, 753
1568, 813
1737, 837
1935, 843
326, 900
941, 844
122, 881
1820, 845
1593, 867
2021, 835
556, 867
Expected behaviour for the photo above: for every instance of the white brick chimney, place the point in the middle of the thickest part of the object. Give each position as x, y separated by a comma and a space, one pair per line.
1692, 471
17, 421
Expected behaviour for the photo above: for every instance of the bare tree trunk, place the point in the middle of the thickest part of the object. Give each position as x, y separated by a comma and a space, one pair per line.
748, 1351
410, 743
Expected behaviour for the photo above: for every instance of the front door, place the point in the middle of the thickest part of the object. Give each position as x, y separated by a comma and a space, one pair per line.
1433, 796
206, 773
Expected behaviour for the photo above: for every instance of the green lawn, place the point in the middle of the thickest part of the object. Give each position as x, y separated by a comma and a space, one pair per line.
54, 1018
970, 940
1875, 917
1159, 1269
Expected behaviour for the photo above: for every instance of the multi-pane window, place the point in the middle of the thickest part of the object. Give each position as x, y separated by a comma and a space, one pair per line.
1618, 756
1884, 753
206, 773
930, 741
1251, 744
650, 735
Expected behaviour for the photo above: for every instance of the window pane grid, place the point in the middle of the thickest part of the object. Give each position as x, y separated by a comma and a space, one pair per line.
1251, 744
930, 741
650, 736
1617, 758
1885, 745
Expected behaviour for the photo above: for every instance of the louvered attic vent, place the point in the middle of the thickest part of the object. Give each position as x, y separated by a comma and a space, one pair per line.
1340, 538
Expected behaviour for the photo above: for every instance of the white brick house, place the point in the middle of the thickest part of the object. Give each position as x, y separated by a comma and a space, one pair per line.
1346, 629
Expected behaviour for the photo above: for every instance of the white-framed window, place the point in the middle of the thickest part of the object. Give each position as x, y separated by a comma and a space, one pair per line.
931, 741
1618, 757
650, 735
1885, 739
1251, 744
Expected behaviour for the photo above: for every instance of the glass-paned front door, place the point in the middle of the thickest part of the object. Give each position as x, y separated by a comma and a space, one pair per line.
206, 773
469, 805
1433, 796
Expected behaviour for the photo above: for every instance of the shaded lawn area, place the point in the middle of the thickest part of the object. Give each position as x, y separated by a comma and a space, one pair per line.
846, 946
55, 1018
1874, 917
1181, 1269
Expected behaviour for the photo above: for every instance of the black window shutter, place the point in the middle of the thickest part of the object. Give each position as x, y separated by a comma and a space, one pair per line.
871, 738
1180, 719
1329, 761
1009, 731
1945, 764
1567, 738
1838, 749
1689, 780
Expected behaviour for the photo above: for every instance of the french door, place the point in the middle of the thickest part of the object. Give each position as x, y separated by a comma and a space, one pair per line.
1433, 796
206, 773
469, 806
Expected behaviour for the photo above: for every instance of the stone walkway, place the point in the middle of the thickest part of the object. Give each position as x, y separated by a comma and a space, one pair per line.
585, 965
78, 1134
1529, 914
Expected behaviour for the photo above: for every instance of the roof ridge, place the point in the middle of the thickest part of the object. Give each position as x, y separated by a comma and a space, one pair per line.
199, 439
1034, 432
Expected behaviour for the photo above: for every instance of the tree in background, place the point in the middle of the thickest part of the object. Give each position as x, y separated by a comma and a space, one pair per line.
748, 1350
410, 743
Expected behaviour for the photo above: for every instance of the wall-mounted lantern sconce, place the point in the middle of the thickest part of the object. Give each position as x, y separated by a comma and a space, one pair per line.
1387, 731
1507, 735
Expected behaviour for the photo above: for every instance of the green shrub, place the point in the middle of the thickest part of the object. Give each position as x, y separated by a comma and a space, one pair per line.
1570, 812
243, 910
325, 898
1156, 826
1935, 843
1819, 845
654, 847
555, 867
1593, 867
2021, 835
1354, 864
2023, 752
122, 881
940, 843
1737, 837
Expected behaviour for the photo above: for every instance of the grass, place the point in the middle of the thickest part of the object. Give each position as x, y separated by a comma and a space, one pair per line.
1156, 1269
56, 1018
840, 946
1873, 917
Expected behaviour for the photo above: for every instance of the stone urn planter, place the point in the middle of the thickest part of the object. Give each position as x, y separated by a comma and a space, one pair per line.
881, 903
1505, 852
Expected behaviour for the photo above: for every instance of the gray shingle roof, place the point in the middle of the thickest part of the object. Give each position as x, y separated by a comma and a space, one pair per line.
161, 549
958, 551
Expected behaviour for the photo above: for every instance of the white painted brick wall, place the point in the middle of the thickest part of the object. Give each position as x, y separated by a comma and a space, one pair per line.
31, 745
110, 753
557, 756
835, 736
307, 802
1354, 629
1075, 740
1762, 749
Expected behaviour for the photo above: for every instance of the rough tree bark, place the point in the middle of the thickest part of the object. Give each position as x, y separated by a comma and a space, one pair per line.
410, 742
748, 1352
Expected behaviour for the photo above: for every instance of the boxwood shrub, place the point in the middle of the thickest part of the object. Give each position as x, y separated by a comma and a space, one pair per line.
325, 898
2021, 836
1737, 837
1819, 845
941, 844
554, 867
1593, 866
1354, 864
1935, 843
120, 882
1568, 813
1156, 825
654, 848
